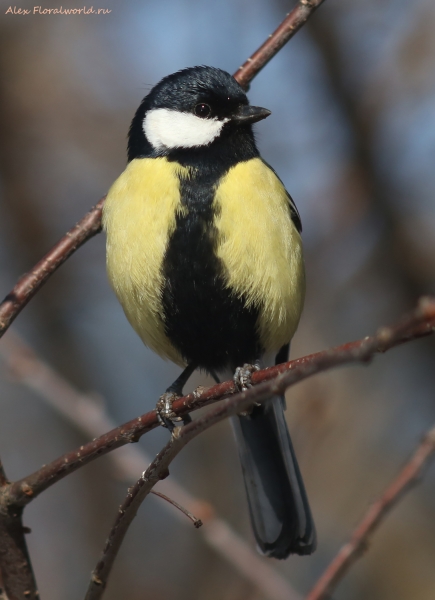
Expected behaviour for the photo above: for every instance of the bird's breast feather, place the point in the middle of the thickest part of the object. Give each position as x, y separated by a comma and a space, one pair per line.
261, 248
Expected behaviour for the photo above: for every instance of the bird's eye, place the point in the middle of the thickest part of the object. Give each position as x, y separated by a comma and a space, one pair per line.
202, 110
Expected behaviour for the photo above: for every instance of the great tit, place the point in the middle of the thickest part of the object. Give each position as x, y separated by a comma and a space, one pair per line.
204, 254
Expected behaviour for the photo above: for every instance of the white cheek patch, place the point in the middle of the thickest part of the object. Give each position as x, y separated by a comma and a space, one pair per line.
165, 128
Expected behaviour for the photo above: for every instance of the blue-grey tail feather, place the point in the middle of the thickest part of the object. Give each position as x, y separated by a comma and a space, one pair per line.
278, 505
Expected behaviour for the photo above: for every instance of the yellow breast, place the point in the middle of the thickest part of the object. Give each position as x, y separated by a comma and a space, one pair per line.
139, 216
257, 243
261, 249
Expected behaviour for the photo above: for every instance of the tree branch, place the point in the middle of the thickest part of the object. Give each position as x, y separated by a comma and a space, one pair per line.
377, 512
274, 380
159, 469
276, 40
89, 417
31, 282
17, 574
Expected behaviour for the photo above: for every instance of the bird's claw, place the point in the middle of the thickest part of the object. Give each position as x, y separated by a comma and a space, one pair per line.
242, 381
242, 376
165, 414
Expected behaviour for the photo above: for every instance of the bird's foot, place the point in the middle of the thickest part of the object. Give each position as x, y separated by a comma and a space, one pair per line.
242, 381
165, 414
242, 376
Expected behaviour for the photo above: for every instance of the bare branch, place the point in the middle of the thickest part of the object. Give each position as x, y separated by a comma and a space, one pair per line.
276, 40
16, 568
31, 282
159, 469
90, 225
418, 324
377, 512
89, 417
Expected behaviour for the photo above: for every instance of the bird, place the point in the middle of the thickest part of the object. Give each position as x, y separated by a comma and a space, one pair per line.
204, 253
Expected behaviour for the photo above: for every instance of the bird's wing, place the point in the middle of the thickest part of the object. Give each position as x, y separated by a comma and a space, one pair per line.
294, 213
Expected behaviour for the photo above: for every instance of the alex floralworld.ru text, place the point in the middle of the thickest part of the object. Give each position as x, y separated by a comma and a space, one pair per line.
39, 10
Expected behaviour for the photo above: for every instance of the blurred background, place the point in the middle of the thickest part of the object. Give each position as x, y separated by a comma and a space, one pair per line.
352, 135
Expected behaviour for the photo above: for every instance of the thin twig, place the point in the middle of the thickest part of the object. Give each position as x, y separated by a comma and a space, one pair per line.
88, 415
418, 324
377, 512
31, 282
197, 522
157, 470
276, 40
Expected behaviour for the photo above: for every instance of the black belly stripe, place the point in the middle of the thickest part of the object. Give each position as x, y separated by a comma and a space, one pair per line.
207, 324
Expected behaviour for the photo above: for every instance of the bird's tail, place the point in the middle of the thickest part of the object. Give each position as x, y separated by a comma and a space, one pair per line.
280, 513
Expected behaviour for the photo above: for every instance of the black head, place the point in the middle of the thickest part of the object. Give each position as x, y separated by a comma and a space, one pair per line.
191, 110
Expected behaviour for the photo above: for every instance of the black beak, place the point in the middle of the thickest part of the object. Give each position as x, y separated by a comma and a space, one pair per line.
250, 114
